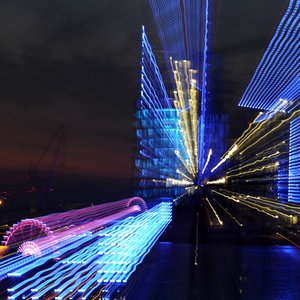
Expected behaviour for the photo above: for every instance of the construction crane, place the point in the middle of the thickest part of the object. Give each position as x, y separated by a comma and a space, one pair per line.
41, 173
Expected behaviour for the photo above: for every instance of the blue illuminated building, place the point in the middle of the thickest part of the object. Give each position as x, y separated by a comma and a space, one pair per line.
184, 31
275, 85
176, 116
294, 162
156, 160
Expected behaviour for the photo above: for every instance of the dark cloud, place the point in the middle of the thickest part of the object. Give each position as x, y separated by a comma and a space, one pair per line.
76, 63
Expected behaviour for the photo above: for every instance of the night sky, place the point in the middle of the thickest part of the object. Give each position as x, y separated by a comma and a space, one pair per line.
76, 63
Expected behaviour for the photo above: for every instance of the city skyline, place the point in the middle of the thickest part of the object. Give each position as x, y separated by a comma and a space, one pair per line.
69, 64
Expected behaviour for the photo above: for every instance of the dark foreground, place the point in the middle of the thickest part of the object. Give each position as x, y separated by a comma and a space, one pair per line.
228, 262
199, 258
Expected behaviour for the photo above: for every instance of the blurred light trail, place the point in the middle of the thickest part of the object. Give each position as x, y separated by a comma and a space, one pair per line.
92, 261
29, 229
277, 75
227, 156
287, 212
287, 239
186, 102
229, 214
207, 160
214, 211
269, 132
294, 163
253, 163
217, 181
167, 131
61, 239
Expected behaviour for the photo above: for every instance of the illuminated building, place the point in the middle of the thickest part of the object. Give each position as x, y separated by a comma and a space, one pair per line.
275, 85
176, 132
294, 155
263, 160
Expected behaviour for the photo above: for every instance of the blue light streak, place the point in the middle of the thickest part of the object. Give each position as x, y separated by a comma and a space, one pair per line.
109, 257
203, 134
150, 74
294, 161
158, 129
277, 75
168, 18
193, 30
154, 96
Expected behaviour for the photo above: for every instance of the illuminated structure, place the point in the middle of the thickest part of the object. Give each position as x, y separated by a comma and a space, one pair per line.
263, 160
175, 133
88, 260
95, 250
260, 170
67, 223
294, 154
275, 85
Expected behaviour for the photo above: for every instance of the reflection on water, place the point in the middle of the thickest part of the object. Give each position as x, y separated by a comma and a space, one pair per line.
270, 272
230, 272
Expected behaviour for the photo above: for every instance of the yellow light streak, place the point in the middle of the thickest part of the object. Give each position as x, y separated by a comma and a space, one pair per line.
186, 103
293, 115
287, 239
231, 216
264, 205
184, 175
229, 154
217, 181
214, 211
207, 160
258, 161
257, 170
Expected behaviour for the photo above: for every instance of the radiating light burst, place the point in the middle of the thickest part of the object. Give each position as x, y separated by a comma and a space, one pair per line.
260, 171
186, 124
171, 130
167, 130
88, 259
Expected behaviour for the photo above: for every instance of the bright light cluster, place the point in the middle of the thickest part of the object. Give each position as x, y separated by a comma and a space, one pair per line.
186, 103
261, 169
217, 181
91, 264
167, 131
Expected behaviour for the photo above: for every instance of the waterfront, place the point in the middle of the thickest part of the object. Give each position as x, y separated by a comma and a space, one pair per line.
197, 258
229, 262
